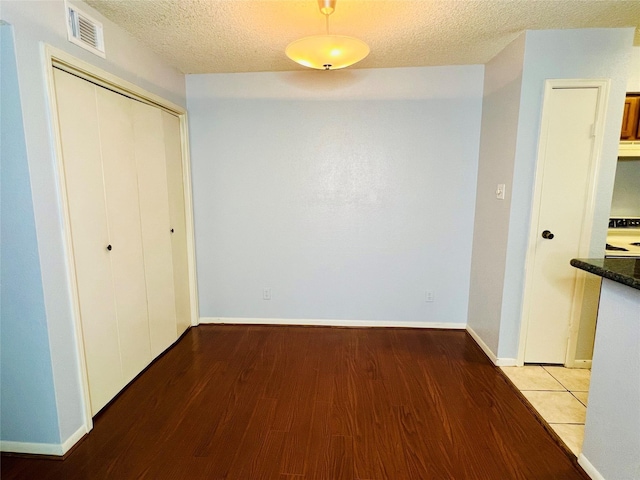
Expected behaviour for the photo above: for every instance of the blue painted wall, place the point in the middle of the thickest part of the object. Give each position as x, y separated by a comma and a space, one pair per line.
37, 23
27, 391
348, 205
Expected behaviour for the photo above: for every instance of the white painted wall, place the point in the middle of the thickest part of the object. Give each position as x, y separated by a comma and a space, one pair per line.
500, 107
583, 53
612, 430
36, 22
348, 193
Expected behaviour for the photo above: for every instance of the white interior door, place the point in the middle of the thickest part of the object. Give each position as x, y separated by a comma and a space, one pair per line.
120, 178
116, 152
156, 227
82, 159
173, 151
567, 152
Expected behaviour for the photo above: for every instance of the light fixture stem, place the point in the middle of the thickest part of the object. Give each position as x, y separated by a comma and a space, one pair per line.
327, 23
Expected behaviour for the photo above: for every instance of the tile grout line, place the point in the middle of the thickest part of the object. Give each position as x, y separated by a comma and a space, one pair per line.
563, 389
556, 379
567, 390
585, 405
570, 423
549, 424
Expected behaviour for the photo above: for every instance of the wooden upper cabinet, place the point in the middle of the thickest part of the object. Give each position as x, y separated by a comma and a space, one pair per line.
630, 118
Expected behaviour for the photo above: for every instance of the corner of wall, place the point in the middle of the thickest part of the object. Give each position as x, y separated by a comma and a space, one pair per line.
558, 54
35, 24
29, 410
500, 109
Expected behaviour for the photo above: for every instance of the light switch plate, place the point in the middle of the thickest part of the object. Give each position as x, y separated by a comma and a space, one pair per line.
500, 191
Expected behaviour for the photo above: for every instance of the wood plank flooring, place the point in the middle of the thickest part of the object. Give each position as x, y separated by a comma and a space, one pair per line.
296, 403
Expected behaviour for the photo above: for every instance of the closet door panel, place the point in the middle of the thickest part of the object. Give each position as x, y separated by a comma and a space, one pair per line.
173, 152
78, 121
127, 260
154, 214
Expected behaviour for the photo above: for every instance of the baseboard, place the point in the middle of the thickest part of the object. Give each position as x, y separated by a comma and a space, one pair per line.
507, 362
70, 442
498, 362
582, 364
328, 322
33, 448
54, 449
590, 469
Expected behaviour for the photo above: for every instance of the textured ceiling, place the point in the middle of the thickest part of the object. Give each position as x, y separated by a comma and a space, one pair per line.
212, 36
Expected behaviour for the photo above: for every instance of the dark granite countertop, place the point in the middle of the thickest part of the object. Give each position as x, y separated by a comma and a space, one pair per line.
621, 270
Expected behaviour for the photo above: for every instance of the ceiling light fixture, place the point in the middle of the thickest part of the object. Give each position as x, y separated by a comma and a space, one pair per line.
327, 52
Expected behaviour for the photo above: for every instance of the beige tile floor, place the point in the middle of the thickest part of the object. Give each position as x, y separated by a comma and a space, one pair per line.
559, 394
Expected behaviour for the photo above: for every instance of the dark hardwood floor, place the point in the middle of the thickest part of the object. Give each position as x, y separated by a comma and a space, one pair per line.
294, 403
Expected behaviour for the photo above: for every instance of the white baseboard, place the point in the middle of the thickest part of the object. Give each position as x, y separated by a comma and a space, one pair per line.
57, 449
74, 438
328, 322
506, 362
498, 362
582, 364
34, 448
482, 345
590, 469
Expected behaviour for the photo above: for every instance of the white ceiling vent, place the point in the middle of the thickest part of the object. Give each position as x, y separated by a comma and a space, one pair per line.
84, 31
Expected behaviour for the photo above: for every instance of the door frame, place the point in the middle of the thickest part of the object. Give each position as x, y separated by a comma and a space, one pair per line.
61, 59
603, 86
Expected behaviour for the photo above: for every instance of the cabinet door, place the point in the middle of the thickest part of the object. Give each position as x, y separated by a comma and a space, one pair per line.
115, 114
630, 118
156, 235
82, 159
175, 184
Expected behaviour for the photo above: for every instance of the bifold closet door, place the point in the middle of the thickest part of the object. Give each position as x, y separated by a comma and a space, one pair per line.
175, 184
156, 229
127, 224
82, 159
118, 145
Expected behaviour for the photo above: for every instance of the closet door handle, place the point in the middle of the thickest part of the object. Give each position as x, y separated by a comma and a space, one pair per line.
109, 247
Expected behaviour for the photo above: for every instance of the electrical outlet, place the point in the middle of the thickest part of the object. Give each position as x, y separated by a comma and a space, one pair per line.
266, 294
429, 296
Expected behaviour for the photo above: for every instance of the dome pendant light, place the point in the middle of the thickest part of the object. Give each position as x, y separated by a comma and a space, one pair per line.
327, 52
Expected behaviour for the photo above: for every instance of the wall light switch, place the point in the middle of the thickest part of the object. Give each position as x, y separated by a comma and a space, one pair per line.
500, 191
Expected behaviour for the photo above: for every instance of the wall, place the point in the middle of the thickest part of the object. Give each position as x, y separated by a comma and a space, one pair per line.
26, 362
612, 431
36, 22
626, 192
585, 53
500, 107
633, 80
348, 193
495, 305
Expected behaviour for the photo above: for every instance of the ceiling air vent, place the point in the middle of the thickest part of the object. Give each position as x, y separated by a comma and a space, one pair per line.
85, 31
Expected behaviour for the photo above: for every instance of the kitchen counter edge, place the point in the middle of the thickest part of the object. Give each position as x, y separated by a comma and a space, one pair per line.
621, 270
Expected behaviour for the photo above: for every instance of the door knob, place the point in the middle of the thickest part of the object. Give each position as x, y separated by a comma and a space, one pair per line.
547, 234
109, 247
172, 230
